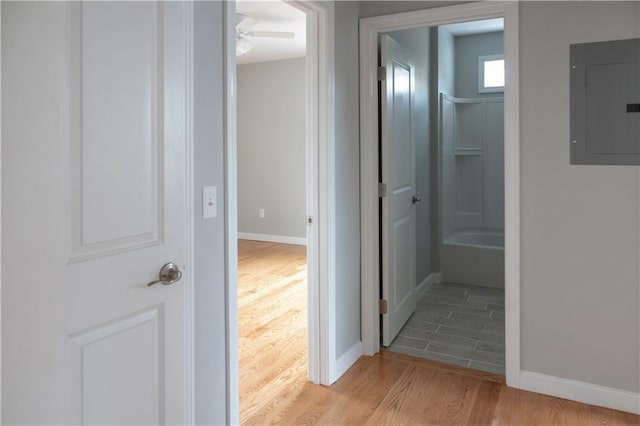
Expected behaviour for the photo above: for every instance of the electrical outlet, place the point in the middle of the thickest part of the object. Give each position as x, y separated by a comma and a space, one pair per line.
261, 212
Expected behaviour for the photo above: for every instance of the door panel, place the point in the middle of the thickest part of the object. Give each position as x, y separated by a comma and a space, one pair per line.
402, 290
398, 172
119, 84
117, 134
131, 346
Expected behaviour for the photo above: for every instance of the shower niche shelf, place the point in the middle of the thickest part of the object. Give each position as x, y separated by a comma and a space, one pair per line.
468, 151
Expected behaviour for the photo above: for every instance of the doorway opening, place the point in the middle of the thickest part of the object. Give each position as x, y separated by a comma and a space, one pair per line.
319, 143
461, 192
445, 178
272, 198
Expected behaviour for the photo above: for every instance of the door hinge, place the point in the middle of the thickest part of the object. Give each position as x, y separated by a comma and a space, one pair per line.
309, 220
382, 306
382, 73
382, 189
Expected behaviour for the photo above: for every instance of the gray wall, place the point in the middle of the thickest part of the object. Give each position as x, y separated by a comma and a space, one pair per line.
580, 230
271, 148
416, 41
579, 223
467, 50
347, 182
209, 236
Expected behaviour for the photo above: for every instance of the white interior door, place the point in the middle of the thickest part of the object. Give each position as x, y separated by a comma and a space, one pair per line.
126, 344
398, 210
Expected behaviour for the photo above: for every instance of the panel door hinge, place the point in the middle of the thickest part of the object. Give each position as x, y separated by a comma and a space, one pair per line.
309, 220
382, 306
382, 73
382, 189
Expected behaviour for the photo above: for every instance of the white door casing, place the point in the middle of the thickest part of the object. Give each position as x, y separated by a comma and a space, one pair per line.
0, 222
398, 173
127, 344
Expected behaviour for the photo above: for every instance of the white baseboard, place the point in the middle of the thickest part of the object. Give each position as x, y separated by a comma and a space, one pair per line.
346, 360
433, 278
272, 238
574, 390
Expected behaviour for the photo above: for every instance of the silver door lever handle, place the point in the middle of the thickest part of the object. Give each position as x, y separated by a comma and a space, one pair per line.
169, 274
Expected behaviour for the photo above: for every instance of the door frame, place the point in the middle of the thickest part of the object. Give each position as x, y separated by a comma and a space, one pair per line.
0, 215
320, 188
320, 144
370, 28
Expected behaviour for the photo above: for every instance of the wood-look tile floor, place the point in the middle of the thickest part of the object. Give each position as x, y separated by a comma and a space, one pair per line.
457, 324
388, 388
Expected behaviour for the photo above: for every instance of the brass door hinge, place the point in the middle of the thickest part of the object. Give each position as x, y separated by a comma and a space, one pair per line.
382, 306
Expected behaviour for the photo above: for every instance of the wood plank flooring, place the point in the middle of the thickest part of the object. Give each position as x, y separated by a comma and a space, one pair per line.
388, 388
272, 319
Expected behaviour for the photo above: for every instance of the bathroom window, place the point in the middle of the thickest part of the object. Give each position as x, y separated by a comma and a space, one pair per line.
491, 73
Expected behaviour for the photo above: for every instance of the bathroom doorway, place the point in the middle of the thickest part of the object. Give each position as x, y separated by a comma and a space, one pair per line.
452, 261
464, 206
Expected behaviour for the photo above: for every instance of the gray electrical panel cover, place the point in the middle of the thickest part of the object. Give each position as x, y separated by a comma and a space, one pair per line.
605, 103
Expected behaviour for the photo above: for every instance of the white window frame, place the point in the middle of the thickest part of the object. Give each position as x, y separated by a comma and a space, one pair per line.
481, 86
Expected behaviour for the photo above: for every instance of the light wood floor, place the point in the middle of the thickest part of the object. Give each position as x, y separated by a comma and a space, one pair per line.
389, 388
272, 317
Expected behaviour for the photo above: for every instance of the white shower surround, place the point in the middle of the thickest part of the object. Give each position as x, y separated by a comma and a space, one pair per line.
472, 190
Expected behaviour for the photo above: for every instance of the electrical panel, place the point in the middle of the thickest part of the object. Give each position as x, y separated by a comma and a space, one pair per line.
605, 103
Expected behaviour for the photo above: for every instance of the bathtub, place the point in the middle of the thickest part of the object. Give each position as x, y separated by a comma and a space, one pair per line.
474, 256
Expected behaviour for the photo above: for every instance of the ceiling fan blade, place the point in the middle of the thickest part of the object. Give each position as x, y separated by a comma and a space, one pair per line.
274, 34
244, 23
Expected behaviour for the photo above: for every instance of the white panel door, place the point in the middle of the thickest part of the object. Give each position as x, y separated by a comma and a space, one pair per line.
398, 210
126, 341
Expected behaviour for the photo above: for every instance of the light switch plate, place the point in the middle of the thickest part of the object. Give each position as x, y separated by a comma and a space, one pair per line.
209, 202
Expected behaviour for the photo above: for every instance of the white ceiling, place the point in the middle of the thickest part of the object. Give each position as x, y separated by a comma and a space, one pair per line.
279, 16
475, 27
273, 16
